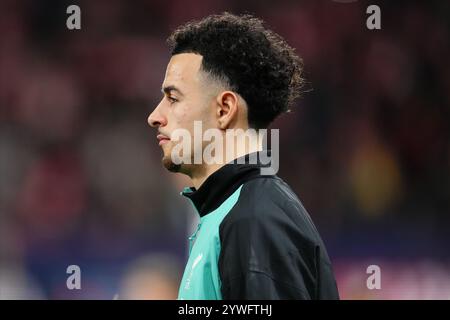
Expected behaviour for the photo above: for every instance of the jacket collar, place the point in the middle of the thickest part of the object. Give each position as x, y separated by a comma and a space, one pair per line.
223, 182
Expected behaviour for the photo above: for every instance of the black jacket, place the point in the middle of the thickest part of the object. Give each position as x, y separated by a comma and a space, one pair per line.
268, 245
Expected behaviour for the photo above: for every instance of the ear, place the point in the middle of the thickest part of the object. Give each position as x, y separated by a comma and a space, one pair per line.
227, 109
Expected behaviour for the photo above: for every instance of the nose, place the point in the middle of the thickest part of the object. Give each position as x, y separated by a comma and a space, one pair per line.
156, 118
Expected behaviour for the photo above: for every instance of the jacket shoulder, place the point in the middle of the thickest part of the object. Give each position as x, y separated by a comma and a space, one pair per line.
268, 237
270, 201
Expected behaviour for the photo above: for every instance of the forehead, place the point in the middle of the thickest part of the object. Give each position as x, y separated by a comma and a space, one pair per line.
183, 69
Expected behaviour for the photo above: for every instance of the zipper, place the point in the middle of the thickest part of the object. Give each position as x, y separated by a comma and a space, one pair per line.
192, 238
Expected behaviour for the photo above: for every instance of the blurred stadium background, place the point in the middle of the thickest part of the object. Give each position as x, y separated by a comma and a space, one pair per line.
367, 149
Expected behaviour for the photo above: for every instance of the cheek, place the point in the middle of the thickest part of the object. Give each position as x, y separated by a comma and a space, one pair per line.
182, 118
184, 115
178, 115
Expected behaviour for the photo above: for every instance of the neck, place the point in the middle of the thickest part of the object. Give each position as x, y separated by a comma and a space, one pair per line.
200, 174
241, 144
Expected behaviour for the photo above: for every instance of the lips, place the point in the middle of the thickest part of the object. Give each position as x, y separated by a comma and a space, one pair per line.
162, 139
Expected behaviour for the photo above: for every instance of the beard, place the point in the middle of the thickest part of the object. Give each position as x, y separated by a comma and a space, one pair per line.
178, 166
169, 165
167, 160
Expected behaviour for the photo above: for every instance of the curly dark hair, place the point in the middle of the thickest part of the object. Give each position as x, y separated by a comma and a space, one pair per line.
254, 61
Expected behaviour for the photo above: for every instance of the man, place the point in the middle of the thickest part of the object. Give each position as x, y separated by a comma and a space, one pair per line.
254, 240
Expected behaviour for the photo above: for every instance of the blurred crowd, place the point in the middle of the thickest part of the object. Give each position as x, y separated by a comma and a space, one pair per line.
367, 148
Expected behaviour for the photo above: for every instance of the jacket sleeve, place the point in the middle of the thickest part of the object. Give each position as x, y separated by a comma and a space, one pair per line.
265, 254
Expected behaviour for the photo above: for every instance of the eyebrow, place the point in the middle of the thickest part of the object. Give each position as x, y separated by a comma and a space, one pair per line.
168, 89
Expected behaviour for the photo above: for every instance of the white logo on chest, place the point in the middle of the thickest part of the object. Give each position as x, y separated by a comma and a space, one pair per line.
197, 260
194, 264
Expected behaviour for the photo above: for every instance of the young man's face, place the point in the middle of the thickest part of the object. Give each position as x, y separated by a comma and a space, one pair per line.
187, 98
